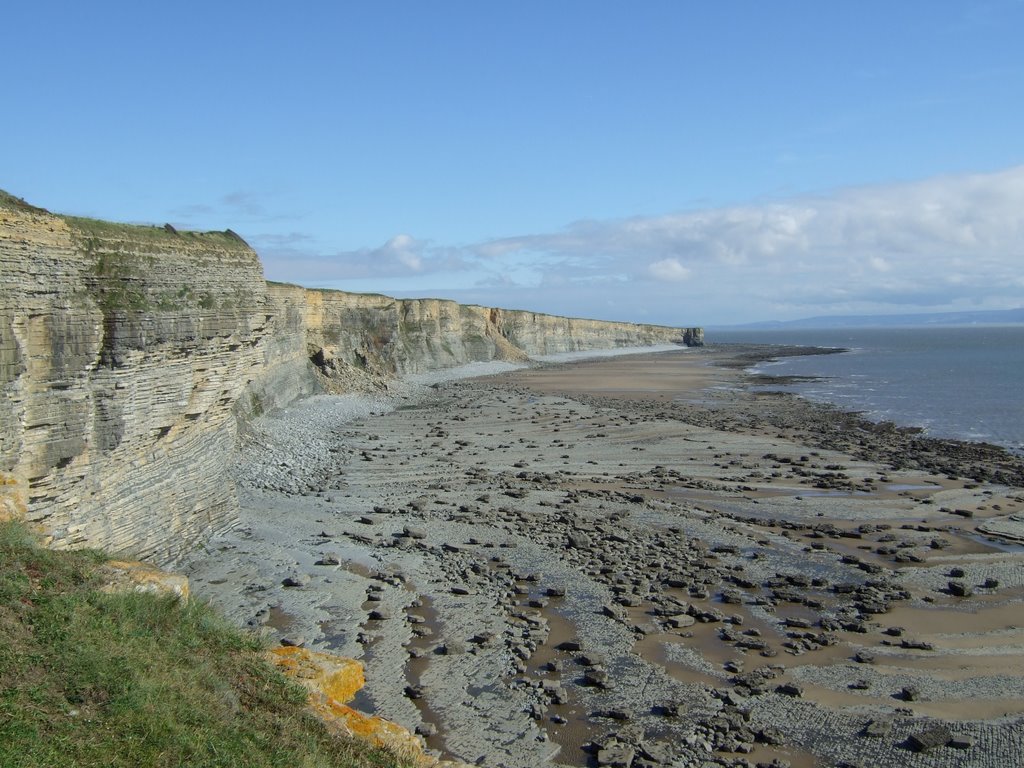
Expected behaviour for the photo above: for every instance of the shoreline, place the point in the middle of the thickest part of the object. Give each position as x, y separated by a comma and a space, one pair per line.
642, 510
885, 393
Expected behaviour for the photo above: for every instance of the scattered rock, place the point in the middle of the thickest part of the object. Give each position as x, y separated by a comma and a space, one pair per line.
960, 741
878, 727
426, 730
612, 714
910, 693
958, 589
595, 677
928, 739
616, 755
917, 645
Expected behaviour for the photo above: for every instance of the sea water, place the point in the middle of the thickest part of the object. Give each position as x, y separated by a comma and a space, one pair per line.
960, 382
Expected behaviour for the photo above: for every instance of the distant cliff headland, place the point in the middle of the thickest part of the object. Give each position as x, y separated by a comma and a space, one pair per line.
131, 355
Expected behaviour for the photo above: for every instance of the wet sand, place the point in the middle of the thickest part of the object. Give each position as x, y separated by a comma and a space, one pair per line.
638, 561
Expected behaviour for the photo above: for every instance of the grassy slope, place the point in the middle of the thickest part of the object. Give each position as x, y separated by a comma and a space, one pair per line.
89, 679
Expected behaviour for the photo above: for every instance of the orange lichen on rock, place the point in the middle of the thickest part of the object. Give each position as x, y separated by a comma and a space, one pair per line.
322, 674
332, 681
376, 730
135, 576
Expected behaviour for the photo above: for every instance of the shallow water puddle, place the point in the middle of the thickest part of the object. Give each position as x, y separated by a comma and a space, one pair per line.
578, 729
993, 544
279, 619
957, 617
949, 709
421, 645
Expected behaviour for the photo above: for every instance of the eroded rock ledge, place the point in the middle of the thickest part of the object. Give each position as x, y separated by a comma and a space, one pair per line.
130, 356
332, 681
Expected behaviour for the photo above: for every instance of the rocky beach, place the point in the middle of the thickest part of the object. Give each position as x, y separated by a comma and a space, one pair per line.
638, 561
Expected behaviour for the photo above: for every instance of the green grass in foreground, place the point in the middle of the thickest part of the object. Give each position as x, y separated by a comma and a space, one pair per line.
88, 679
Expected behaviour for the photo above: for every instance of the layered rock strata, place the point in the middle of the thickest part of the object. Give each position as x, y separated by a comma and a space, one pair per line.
130, 357
122, 352
355, 340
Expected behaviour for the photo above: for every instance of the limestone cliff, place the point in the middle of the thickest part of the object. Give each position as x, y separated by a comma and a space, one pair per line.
351, 337
130, 355
122, 353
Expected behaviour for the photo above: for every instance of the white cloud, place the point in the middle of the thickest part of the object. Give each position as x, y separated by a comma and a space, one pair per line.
403, 249
879, 264
669, 269
943, 242
949, 242
295, 258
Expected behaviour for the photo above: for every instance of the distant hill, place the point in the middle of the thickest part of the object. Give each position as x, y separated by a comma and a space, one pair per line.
926, 319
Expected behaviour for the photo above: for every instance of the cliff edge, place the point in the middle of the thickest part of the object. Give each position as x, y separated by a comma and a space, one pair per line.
129, 355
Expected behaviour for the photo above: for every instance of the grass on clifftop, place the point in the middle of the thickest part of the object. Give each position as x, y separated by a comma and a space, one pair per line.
89, 679
99, 228
7, 200
86, 227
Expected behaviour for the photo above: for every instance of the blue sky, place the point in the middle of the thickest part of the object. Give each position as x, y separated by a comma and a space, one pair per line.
673, 162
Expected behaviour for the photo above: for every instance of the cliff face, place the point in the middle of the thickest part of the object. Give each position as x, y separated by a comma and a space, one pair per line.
337, 341
538, 334
122, 352
129, 356
400, 336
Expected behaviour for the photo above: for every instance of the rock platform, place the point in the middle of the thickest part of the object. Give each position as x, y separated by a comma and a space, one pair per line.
600, 564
